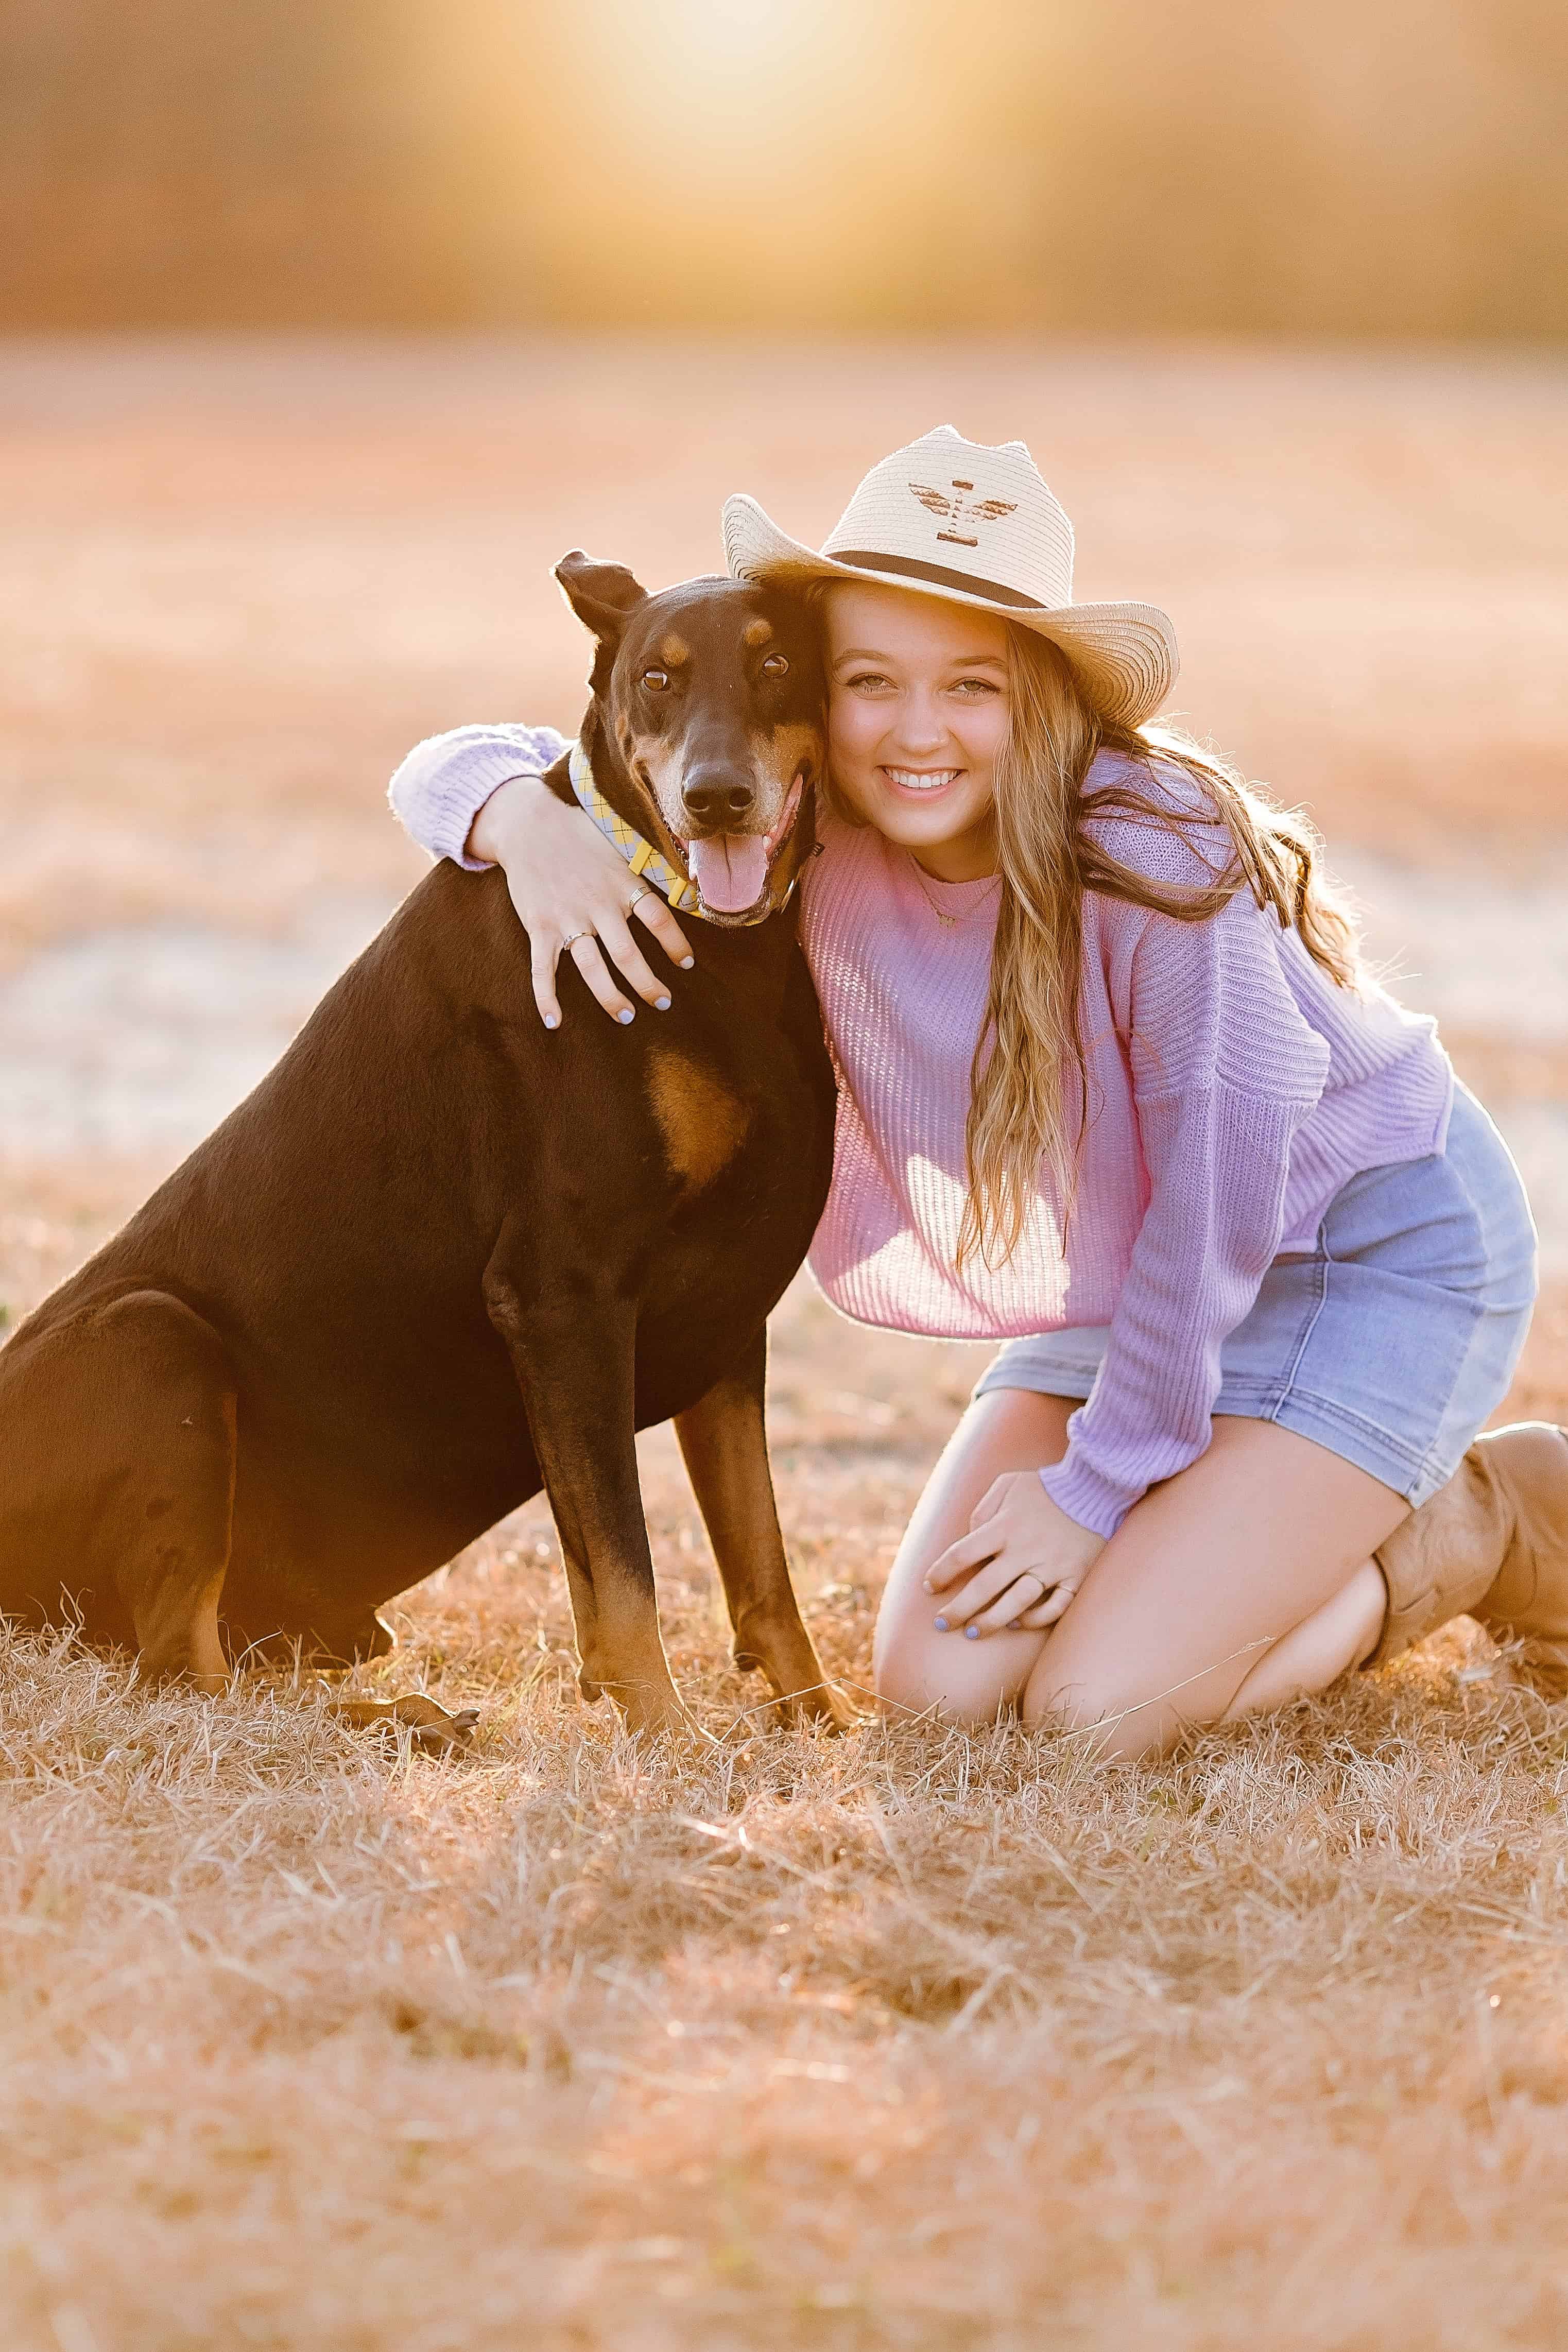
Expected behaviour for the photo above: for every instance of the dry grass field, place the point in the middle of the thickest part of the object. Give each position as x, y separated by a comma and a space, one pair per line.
898, 2041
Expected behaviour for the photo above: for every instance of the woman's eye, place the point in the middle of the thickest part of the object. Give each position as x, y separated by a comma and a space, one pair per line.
775, 665
866, 677
973, 686
655, 680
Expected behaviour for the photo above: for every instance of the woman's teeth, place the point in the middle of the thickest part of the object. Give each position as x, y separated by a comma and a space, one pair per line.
924, 780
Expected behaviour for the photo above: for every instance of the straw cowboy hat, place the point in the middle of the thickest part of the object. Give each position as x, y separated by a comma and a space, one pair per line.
977, 526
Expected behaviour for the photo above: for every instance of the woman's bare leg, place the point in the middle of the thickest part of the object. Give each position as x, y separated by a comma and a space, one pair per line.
1238, 1566
1240, 1582
1325, 1645
915, 1667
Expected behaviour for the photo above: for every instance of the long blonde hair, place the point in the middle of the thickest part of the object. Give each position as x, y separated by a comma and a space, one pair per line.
1030, 1057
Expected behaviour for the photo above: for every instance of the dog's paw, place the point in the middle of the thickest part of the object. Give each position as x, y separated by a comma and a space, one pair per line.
673, 1726
824, 1709
432, 1730
839, 1713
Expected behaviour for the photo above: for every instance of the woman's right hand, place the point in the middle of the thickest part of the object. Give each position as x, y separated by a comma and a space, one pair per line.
571, 889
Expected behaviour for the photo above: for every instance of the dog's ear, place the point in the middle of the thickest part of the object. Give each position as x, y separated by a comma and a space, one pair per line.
602, 595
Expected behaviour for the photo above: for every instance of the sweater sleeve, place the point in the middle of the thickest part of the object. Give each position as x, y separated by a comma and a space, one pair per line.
445, 780
1225, 1069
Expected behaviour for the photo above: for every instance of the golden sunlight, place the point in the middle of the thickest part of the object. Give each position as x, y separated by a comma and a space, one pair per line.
754, 159
701, 83
1096, 165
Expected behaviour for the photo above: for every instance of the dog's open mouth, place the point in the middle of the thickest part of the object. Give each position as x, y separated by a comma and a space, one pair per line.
731, 870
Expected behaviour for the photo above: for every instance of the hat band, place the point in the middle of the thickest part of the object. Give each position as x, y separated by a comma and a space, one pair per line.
910, 567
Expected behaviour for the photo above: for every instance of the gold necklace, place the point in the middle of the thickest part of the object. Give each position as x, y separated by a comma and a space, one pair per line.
948, 922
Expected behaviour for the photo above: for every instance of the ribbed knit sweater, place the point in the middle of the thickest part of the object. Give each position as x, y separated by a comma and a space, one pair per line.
1233, 1088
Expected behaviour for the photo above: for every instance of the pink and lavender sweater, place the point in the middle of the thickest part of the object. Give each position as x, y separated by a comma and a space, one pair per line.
1233, 1088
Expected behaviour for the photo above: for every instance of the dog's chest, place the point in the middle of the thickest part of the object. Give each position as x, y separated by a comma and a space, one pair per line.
703, 1115
745, 1140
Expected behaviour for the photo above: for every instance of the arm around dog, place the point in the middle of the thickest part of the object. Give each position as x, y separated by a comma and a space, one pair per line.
474, 796
445, 780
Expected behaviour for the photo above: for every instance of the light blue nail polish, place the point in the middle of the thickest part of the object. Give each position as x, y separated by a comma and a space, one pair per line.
971, 1633
940, 1624
661, 1004
688, 963
625, 1017
552, 1020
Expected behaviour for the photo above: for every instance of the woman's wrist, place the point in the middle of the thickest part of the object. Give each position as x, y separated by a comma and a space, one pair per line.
515, 803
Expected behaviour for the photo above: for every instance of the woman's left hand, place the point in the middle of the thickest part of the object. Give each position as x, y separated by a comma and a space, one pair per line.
1024, 1557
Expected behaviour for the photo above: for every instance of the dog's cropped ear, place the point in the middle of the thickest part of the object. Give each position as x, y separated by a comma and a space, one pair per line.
602, 595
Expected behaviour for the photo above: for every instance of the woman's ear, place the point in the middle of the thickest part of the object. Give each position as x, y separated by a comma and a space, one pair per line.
602, 595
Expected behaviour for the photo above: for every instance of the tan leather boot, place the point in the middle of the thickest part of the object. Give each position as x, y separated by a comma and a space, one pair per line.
1492, 1544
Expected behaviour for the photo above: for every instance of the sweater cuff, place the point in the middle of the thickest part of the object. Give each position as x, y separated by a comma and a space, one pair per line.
441, 788
1086, 1494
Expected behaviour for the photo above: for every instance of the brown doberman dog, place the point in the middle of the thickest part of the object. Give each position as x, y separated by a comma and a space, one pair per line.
440, 1257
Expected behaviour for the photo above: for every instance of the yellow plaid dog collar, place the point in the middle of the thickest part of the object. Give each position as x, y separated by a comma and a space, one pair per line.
641, 855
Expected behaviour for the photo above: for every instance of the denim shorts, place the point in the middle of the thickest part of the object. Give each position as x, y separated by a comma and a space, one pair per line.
1393, 1340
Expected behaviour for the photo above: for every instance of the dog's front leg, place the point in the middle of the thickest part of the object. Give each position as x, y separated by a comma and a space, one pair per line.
572, 1344
725, 1442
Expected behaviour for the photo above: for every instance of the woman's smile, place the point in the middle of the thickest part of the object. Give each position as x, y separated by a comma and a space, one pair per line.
922, 780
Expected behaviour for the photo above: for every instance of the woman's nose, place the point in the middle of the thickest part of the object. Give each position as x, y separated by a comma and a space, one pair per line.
921, 727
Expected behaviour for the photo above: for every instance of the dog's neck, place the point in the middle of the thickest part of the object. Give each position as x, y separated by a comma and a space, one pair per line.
630, 799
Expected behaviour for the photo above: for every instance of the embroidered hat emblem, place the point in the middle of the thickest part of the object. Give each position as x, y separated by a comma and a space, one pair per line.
958, 511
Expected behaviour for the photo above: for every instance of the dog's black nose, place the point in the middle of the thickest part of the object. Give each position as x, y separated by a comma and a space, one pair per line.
716, 796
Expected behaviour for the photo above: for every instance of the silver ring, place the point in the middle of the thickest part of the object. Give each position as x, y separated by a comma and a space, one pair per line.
569, 938
638, 895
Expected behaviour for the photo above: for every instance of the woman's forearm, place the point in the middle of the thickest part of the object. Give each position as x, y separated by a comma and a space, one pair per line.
443, 784
513, 824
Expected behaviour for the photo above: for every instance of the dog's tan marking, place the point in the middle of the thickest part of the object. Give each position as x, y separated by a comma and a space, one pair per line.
757, 632
674, 650
658, 769
702, 1123
779, 754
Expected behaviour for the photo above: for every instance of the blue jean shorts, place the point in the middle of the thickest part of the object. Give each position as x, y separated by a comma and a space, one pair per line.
1393, 1340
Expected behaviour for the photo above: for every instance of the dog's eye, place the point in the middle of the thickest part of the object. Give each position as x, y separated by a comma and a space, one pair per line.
775, 665
655, 680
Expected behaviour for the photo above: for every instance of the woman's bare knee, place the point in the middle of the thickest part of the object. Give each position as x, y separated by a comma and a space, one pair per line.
1120, 1721
922, 1672
918, 1671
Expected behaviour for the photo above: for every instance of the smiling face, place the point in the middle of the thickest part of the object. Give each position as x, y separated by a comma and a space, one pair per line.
918, 710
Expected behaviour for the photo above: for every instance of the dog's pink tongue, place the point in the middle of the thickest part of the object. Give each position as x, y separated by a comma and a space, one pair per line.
729, 870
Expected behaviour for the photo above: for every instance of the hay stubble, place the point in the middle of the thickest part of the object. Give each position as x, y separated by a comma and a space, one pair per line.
897, 2039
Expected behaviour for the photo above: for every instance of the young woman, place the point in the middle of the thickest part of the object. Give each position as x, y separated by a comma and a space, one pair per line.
1116, 1092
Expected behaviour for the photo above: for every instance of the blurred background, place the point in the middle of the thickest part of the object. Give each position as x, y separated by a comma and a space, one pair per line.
326, 326
1397, 169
